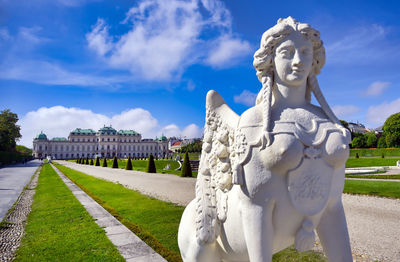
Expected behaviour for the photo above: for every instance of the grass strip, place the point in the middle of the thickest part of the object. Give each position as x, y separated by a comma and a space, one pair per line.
152, 220
375, 176
372, 188
59, 228
366, 162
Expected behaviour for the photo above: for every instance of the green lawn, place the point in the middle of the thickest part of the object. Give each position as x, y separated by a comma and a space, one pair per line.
60, 229
150, 218
365, 162
373, 188
155, 221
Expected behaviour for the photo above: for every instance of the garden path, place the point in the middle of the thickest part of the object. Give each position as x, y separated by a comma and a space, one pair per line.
13, 178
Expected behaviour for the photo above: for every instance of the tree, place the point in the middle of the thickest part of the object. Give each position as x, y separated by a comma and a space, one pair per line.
129, 164
381, 142
104, 162
391, 130
97, 161
9, 130
151, 166
358, 141
371, 140
186, 168
115, 162
91, 162
24, 150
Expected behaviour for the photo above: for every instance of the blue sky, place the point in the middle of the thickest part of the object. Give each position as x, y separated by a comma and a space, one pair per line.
147, 65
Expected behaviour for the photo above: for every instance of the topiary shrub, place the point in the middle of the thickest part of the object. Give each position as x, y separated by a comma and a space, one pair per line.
97, 161
87, 161
82, 161
104, 162
115, 162
357, 156
77, 161
128, 164
151, 166
383, 155
186, 168
91, 162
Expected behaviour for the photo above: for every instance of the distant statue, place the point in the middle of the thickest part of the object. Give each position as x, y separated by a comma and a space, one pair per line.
270, 177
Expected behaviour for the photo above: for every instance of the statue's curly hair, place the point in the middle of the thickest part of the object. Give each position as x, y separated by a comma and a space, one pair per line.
264, 64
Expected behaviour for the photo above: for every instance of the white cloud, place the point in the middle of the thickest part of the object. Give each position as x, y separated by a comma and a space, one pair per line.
379, 113
58, 121
4, 34
190, 131
43, 72
227, 48
190, 85
98, 38
75, 3
376, 88
345, 111
246, 98
361, 45
166, 37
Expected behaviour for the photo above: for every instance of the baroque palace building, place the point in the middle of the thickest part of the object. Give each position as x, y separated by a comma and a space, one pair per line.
107, 142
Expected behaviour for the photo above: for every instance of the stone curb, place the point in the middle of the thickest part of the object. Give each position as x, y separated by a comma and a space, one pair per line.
131, 247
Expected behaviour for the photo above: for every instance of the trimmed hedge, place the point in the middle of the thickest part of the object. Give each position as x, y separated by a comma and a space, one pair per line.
7, 158
129, 164
151, 166
104, 162
115, 163
186, 168
97, 161
377, 152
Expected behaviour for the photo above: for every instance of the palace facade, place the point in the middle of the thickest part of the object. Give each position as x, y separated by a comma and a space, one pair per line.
107, 142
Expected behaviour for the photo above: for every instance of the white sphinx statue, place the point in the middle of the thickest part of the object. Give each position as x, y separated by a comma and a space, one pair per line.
271, 177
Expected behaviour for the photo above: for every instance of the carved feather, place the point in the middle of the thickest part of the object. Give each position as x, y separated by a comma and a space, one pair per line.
215, 172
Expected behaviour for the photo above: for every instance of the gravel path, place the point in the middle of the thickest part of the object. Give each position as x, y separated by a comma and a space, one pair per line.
14, 222
374, 222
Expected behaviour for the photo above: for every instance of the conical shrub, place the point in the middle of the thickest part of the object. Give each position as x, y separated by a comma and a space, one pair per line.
115, 162
77, 161
97, 161
129, 164
91, 162
87, 161
104, 162
151, 166
186, 168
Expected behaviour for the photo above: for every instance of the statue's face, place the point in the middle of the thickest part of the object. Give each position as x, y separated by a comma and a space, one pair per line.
293, 60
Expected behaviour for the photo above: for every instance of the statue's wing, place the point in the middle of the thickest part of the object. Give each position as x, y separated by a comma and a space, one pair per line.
214, 178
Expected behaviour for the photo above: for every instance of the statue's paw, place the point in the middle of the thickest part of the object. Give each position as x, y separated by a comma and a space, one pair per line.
304, 240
